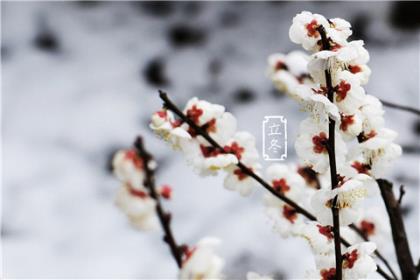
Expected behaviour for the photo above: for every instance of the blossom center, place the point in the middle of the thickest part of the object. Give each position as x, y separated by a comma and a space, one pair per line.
326, 231
240, 174
235, 149
280, 65
350, 258
367, 227
132, 156
342, 89
290, 213
137, 193
194, 113
362, 137
361, 167
312, 28
209, 151
328, 274
319, 142
162, 114
310, 176
355, 69
346, 121
281, 185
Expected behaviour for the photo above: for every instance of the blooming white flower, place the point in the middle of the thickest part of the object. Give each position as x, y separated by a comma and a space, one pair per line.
139, 207
314, 100
339, 30
255, 276
376, 152
201, 112
129, 168
289, 71
351, 126
220, 125
372, 112
304, 30
357, 263
288, 182
295, 63
311, 149
352, 57
374, 226
349, 95
164, 124
349, 194
319, 237
237, 180
206, 160
201, 262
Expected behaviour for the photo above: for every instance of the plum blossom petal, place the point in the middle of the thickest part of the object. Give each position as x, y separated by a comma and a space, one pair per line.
201, 262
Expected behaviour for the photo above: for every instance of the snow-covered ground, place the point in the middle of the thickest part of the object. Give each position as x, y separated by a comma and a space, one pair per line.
74, 90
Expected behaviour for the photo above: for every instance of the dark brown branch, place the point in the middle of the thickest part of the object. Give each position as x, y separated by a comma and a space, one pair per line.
399, 236
167, 103
401, 107
333, 167
164, 217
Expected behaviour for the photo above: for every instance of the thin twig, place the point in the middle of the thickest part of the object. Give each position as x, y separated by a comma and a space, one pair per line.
402, 193
399, 236
333, 167
167, 103
401, 107
164, 217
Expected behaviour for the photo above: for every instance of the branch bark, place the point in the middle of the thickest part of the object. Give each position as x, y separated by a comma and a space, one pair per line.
401, 107
399, 236
167, 103
333, 166
164, 217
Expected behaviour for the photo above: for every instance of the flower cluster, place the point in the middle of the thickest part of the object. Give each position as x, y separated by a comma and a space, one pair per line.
206, 159
328, 84
133, 198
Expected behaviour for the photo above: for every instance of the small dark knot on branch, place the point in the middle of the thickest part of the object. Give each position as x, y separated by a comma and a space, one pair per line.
402, 193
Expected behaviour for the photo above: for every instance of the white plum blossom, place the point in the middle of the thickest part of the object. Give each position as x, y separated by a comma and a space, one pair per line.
349, 95
164, 124
220, 125
206, 160
357, 263
201, 262
376, 152
314, 100
239, 181
289, 71
349, 194
304, 30
372, 112
319, 237
201, 112
374, 226
129, 168
139, 207
288, 182
351, 126
311, 147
